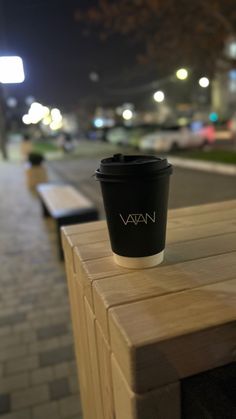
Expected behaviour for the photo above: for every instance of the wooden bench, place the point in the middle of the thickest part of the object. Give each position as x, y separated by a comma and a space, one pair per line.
66, 206
139, 333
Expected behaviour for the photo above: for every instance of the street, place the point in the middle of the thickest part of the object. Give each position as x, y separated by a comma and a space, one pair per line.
187, 187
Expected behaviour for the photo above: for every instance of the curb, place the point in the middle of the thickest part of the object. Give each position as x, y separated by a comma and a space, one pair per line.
221, 168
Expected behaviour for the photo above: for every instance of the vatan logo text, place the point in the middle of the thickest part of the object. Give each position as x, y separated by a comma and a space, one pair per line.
139, 218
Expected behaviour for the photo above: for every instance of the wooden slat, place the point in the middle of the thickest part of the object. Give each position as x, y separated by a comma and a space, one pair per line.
84, 274
148, 283
83, 228
166, 338
163, 403
104, 364
88, 237
95, 250
62, 197
80, 341
188, 233
93, 351
200, 248
69, 242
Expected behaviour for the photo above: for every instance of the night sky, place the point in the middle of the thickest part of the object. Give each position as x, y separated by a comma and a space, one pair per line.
58, 57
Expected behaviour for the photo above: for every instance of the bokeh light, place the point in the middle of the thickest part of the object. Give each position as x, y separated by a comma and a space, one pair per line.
182, 74
159, 96
11, 70
127, 114
204, 82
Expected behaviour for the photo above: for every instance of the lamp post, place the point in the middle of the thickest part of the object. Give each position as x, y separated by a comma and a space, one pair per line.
11, 72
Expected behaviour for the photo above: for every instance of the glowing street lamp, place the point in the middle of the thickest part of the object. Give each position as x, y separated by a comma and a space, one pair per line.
182, 74
204, 82
11, 70
159, 96
127, 114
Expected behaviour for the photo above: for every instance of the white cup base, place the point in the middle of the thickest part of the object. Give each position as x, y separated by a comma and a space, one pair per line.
139, 263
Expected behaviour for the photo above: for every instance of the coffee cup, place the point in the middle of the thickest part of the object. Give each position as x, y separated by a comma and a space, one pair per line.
135, 191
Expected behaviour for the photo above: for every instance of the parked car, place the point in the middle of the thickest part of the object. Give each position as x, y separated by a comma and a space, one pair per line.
128, 136
176, 137
118, 136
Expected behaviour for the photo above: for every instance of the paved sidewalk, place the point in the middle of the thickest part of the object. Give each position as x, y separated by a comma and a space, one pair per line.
37, 367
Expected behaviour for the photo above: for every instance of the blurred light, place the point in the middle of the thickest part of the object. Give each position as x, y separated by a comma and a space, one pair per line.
232, 50
213, 117
36, 112
109, 122
35, 106
11, 70
55, 112
55, 125
182, 74
232, 86
11, 102
56, 115
232, 74
46, 111
94, 76
98, 122
46, 120
26, 119
196, 126
183, 121
159, 96
127, 114
204, 82
29, 100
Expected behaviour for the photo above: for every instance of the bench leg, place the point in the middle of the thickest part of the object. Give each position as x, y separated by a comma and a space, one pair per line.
59, 242
45, 212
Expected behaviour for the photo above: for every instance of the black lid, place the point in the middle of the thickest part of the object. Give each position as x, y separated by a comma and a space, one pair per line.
120, 166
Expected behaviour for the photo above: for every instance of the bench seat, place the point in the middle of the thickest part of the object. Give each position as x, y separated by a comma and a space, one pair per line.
66, 206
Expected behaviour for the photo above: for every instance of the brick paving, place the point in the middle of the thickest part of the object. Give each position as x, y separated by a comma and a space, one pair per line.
37, 366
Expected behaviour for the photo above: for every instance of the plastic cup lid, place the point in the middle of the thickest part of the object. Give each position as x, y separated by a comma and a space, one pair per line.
132, 165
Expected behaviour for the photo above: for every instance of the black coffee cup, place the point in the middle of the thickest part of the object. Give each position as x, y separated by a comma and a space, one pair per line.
135, 193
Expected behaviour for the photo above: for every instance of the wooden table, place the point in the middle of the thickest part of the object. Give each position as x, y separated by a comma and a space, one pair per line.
139, 332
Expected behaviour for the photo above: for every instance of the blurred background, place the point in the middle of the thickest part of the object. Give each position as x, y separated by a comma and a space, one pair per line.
153, 76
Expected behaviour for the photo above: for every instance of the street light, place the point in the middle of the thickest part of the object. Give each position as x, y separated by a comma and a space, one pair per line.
26, 119
159, 96
127, 114
182, 74
11, 70
204, 82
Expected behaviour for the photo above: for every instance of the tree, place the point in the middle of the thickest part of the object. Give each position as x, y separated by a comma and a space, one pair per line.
170, 33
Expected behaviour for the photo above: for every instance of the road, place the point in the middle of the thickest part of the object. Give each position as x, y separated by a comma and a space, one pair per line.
187, 187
